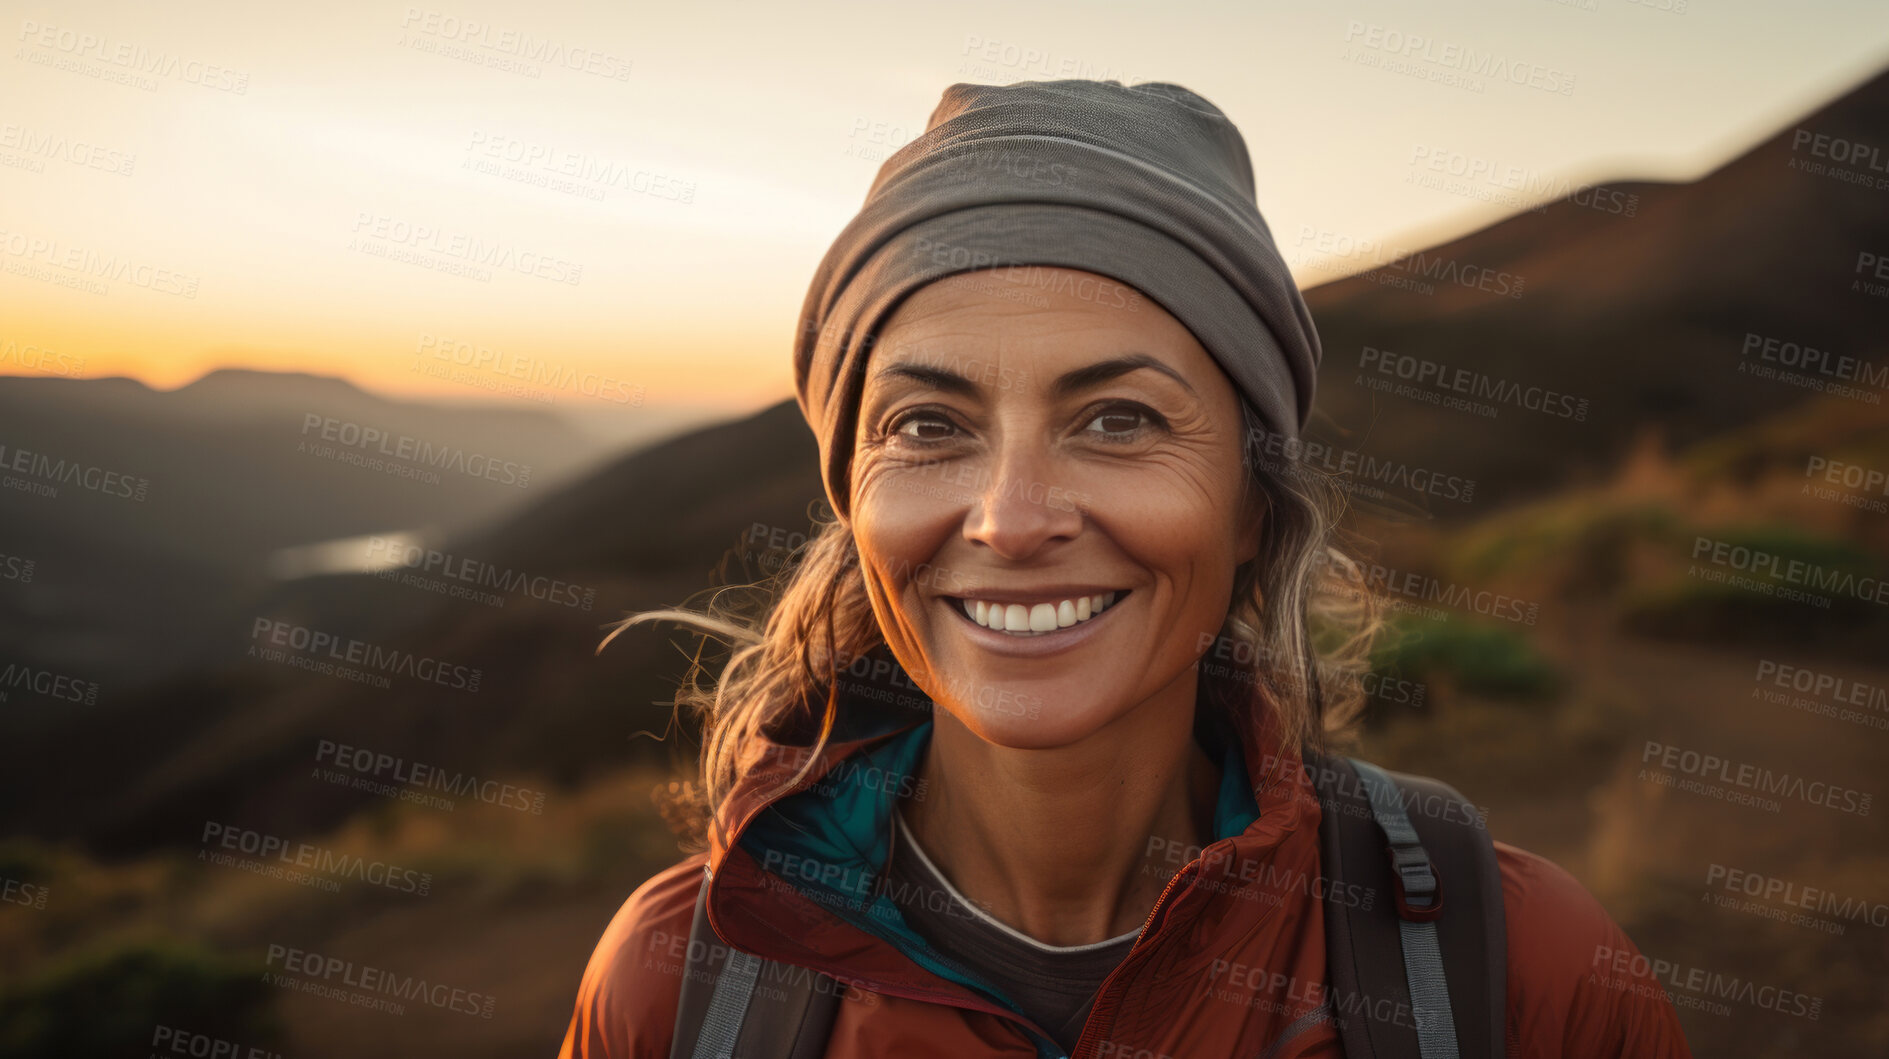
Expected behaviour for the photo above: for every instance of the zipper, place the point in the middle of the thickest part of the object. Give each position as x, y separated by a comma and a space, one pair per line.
1102, 1016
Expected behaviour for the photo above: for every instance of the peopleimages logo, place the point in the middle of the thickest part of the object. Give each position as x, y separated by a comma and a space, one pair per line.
1695, 987
1470, 383
1414, 266
40, 145
1849, 161
543, 165
314, 969
847, 773
61, 687
1262, 878
43, 475
518, 373
314, 645
372, 447
855, 885
1444, 55
20, 892
293, 861
1746, 777
1841, 689
514, 43
136, 58
420, 776
1838, 366
30, 357
677, 954
1824, 694
409, 558
1350, 468
89, 262
1345, 784
1431, 589
1267, 989
1491, 180
1792, 571
171, 1040
1246, 662
395, 232
1809, 898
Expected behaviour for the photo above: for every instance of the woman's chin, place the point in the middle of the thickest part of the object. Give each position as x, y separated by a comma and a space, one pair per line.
1025, 720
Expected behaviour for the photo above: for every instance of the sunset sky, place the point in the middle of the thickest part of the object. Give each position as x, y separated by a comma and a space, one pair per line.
192, 186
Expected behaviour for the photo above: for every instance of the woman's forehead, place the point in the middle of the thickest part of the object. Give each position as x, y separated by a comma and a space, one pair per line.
1023, 289
978, 319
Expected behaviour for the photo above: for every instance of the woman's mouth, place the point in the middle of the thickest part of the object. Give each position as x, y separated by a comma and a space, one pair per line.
1024, 620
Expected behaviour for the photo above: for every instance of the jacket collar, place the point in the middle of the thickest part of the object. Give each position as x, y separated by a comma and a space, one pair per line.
796, 877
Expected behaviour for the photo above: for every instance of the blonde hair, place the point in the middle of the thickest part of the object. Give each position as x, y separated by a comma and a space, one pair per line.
1301, 624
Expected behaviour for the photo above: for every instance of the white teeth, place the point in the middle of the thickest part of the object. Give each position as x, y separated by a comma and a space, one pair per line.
1036, 618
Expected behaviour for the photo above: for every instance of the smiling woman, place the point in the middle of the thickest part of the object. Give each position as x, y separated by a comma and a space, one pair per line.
1105, 508
1096, 607
1057, 422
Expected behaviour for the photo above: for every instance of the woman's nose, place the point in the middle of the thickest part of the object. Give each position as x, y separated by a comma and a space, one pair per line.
1018, 506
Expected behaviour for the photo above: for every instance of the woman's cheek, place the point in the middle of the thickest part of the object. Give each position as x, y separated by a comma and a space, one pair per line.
1176, 525
896, 544
1155, 518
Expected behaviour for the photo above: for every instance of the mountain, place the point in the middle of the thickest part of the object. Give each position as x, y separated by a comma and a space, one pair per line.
145, 511
238, 737
1637, 298
1642, 315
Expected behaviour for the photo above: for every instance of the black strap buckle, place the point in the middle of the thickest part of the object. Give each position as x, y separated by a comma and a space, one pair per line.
1419, 887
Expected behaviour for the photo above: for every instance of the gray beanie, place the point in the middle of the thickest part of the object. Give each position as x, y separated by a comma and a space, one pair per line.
1149, 185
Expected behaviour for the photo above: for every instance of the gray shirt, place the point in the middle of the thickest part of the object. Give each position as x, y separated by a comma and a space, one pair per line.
1054, 985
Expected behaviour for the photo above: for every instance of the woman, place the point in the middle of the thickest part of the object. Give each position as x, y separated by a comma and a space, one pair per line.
972, 766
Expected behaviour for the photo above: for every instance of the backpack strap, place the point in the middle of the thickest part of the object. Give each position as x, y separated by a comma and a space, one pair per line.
1419, 905
1415, 938
735, 1003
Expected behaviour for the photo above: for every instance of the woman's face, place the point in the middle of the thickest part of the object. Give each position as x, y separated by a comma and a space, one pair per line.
1026, 449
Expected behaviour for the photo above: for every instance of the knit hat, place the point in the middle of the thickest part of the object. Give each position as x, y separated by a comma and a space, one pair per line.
1148, 184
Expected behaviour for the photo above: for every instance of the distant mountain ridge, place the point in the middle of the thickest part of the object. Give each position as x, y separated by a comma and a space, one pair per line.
1643, 317
226, 470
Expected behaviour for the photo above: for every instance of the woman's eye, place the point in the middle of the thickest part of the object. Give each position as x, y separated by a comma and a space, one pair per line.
924, 426
1118, 423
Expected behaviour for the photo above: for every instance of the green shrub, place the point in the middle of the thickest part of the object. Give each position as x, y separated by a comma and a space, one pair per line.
1688, 606
1478, 658
1580, 549
109, 1002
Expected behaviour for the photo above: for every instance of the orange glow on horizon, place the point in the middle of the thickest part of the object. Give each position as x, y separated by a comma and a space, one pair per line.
199, 190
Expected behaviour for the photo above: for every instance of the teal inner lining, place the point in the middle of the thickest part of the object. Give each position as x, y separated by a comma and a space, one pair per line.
831, 840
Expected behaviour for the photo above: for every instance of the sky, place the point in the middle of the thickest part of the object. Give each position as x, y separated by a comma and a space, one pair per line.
616, 204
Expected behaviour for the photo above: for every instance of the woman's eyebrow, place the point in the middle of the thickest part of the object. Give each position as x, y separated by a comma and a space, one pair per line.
1096, 374
934, 378
1070, 382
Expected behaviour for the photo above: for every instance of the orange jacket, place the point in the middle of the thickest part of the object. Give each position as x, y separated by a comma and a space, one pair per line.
1231, 957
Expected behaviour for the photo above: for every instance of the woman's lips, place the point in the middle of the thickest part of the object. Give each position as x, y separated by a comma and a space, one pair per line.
1032, 644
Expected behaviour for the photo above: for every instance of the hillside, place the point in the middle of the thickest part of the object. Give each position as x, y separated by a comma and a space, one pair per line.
1644, 317
191, 490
